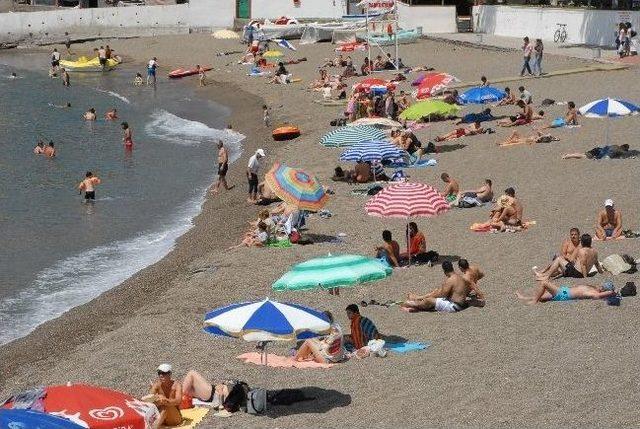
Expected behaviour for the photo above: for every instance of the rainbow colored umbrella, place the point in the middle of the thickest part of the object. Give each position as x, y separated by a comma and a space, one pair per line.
296, 187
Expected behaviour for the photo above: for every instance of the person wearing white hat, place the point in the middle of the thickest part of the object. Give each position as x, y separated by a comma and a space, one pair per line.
167, 395
253, 168
609, 223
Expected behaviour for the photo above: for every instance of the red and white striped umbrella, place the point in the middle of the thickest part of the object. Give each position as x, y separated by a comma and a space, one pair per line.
405, 200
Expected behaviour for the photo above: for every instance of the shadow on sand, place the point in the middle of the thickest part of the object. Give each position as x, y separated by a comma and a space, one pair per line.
319, 401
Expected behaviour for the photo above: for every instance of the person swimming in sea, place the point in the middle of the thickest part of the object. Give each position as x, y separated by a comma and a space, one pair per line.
88, 186
90, 115
39, 149
111, 115
49, 150
127, 136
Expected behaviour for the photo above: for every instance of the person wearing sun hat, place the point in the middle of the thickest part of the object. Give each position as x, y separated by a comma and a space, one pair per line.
609, 222
166, 394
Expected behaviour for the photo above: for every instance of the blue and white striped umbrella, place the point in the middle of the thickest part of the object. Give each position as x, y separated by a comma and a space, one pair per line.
266, 321
372, 150
348, 136
608, 107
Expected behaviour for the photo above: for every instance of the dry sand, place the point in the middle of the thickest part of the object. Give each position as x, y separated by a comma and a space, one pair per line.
508, 365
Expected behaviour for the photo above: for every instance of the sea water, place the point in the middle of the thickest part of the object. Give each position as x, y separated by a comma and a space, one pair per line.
57, 252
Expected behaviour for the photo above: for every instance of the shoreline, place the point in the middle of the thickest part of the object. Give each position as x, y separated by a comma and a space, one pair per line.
48, 336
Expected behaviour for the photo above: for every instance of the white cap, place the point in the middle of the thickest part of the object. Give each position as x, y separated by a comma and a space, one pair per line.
165, 367
260, 152
608, 203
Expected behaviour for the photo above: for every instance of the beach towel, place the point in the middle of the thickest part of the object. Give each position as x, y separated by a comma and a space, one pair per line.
191, 417
275, 361
362, 331
407, 347
280, 244
486, 226
422, 163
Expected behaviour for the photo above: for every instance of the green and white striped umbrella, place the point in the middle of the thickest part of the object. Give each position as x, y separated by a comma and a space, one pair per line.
348, 136
333, 271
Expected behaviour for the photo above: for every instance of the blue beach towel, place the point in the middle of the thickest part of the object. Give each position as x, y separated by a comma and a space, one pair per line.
420, 164
407, 347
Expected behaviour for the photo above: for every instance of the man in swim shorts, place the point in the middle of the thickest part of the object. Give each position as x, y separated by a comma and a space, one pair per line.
548, 291
452, 188
223, 167
570, 244
578, 265
451, 297
88, 186
609, 224
151, 71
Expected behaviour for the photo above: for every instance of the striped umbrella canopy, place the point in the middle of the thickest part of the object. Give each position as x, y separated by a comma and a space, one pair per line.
348, 136
608, 107
434, 82
406, 200
427, 108
332, 271
482, 95
266, 321
372, 150
296, 187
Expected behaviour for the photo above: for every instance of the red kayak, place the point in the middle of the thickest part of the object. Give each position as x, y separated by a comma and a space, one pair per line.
184, 73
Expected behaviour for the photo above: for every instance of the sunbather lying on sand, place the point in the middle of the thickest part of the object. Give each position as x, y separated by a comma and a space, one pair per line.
538, 137
611, 152
548, 291
473, 129
196, 386
451, 297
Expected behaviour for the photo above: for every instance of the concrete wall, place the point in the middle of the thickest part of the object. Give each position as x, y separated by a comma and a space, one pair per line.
432, 19
117, 21
326, 9
591, 27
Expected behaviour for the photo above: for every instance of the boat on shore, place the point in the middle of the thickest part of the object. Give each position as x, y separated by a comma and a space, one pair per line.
84, 64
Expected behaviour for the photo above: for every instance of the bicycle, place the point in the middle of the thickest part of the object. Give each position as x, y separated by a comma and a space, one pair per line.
561, 33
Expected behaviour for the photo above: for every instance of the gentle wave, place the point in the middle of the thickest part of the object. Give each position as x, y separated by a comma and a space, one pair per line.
114, 94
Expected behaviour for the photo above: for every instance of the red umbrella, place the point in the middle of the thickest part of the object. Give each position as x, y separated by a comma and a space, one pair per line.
406, 200
433, 82
366, 84
98, 408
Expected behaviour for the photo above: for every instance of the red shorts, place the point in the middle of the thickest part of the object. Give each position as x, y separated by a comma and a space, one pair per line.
460, 132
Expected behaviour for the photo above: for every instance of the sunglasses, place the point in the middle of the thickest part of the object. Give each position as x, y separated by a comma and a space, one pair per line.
160, 373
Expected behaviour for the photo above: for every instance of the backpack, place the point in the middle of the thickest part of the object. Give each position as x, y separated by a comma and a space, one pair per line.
286, 397
629, 289
257, 401
237, 397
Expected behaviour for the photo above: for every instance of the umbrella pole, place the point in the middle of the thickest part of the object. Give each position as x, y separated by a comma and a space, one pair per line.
408, 247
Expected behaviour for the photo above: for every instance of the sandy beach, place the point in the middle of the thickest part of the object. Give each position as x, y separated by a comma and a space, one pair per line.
504, 365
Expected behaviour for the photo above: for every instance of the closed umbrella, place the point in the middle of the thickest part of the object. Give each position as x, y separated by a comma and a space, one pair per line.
348, 136
407, 200
429, 108
27, 419
296, 187
482, 95
332, 271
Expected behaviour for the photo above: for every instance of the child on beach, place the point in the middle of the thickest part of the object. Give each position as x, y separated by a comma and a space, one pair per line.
202, 76
138, 80
257, 238
265, 115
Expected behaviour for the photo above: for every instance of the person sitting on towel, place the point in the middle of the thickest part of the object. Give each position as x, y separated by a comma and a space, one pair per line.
548, 291
390, 250
483, 194
363, 329
329, 349
583, 259
609, 223
166, 394
570, 244
451, 297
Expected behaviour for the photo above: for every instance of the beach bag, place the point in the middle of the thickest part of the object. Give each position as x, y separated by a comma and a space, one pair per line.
286, 397
237, 397
257, 401
629, 289
629, 260
374, 190
615, 264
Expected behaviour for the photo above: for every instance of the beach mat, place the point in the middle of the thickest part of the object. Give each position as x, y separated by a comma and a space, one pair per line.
407, 347
485, 227
420, 164
191, 417
275, 361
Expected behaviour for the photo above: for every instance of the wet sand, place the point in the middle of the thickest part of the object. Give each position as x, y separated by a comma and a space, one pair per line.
507, 365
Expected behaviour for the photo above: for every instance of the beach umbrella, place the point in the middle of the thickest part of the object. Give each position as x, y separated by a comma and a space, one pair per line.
372, 151
371, 83
376, 122
332, 271
482, 95
407, 200
295, 187
608, 107
426, 109
348, 136
272, 54
433, 83
97, 407
266, 321
27, 419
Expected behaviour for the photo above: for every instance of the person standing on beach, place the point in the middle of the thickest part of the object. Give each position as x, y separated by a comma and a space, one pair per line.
127, 136
266, 118
67, 43
538, 50
527, 50
253, 168
88, 186
201, 75
151, 71
102, 57
223, 167
55, 59
65, 78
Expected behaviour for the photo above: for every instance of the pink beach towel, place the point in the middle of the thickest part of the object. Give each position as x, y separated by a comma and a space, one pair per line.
276, 361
